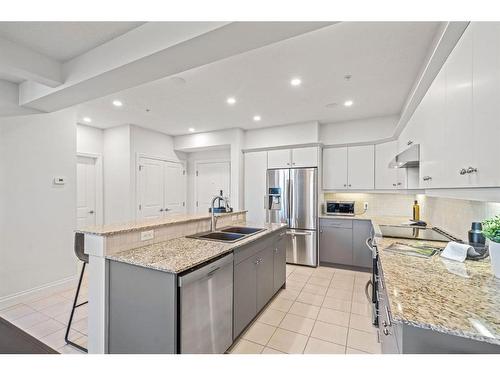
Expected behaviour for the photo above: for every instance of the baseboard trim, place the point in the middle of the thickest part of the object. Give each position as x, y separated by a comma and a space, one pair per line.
39, 291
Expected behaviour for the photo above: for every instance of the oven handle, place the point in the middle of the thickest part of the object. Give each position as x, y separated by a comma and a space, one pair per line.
367, 286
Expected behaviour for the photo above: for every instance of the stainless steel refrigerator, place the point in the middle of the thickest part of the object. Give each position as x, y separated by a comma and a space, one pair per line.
292, 198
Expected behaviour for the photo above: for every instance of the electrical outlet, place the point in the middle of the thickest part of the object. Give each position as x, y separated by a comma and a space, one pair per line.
365, 206
148, 235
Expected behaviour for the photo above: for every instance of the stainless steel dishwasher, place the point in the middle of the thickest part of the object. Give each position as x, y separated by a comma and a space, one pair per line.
206, 308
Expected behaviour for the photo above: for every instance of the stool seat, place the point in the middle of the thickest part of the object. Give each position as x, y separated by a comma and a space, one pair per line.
80, 247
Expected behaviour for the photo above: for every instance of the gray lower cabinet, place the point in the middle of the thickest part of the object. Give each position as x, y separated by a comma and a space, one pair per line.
280, 262
336, 241
259, 270
361, 255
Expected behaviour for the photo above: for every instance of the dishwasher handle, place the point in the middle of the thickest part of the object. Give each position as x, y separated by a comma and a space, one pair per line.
205, 271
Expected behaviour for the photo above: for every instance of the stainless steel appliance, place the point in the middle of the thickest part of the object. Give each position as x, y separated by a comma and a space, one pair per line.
293, 199
206, 308
339, 208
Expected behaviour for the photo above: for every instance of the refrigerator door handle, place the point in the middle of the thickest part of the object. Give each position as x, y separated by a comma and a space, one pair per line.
299, 233
290, 200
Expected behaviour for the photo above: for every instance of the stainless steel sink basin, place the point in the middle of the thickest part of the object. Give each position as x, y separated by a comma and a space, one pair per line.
242, 230
229, 234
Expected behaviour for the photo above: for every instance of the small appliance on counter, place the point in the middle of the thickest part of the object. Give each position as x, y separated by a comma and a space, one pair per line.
339, 208
477, 241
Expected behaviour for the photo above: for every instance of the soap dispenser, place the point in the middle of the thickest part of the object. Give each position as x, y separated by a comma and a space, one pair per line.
416, 211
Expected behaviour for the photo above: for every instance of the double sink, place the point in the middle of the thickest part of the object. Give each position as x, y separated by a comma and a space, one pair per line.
229, 234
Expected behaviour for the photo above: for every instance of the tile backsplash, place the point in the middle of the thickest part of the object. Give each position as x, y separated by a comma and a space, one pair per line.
452, 215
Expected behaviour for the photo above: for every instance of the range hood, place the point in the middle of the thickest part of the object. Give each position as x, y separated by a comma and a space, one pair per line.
409, 158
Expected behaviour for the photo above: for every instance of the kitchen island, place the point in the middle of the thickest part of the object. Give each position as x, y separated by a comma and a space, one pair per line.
434, 305
134, 291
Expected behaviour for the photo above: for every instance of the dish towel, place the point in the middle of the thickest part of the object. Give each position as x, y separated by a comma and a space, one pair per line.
457, 251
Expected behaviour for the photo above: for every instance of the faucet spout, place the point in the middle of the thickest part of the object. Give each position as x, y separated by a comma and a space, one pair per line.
213, 218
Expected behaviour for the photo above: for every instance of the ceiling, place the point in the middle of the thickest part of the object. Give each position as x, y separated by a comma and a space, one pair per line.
63, 41
383, 58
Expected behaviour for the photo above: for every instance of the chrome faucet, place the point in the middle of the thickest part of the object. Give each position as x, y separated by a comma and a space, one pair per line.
213, 222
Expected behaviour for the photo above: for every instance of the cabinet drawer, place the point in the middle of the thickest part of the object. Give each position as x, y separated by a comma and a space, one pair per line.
336, 223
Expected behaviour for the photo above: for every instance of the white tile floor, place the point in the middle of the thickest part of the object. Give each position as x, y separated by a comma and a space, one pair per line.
47, 318
321, 311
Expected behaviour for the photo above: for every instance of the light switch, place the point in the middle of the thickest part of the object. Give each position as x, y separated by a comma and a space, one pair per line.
148, 235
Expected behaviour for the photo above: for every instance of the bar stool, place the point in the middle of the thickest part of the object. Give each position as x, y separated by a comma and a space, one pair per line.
79, 251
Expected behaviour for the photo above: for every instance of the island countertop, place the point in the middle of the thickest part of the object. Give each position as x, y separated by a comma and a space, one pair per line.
180, 254
461, 299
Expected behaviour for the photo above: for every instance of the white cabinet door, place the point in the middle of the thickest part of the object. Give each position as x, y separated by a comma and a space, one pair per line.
335, 168
279, 158
385, 177
175, 188
255, 185
361, 167
457, 149
486, 104
151, 188
305, 157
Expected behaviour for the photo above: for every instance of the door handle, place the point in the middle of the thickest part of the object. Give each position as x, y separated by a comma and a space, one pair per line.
299, 233
91, 212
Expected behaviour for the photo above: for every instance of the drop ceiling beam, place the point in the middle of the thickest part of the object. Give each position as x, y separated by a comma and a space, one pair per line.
26, 64
154, 51
9, 106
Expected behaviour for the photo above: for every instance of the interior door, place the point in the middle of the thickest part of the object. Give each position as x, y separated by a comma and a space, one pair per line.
175, 188
151, 188
85, 191
211, 178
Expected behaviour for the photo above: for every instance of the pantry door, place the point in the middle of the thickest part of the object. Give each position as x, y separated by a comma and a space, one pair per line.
175, 188
86, 191
210, 178
151, 188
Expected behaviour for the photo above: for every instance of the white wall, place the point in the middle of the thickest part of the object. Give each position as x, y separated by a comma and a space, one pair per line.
89, 140
285, 135
37, 218
192, 157
366, 130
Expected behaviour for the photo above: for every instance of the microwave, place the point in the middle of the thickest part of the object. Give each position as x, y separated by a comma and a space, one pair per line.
343, 208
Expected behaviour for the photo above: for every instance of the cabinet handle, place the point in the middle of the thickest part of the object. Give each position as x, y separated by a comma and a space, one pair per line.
293, 163
349, 185
399, 184
471, 170
386, 332
427, 178
462, 171
409, 143
388, 316
161, 209
345, 185
393, 184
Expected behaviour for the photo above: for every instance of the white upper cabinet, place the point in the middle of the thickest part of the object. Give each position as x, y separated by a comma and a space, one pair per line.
361, 167
255, 185
486, 104
293, 158
349, 168
335, 168
388, 178
279, 158
305, 157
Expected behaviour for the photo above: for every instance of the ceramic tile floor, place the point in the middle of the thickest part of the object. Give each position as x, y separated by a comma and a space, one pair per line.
321, 311
47, 318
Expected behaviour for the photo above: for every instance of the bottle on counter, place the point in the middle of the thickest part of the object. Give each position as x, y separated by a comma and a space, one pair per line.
416, 211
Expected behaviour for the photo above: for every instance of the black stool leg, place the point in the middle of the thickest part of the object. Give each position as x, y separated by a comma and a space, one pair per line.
75, 305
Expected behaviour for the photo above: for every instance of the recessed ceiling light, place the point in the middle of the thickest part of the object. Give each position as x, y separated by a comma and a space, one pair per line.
348, 103
191, 130
256, 118
231, 100
88, 120
296, 82
117, 103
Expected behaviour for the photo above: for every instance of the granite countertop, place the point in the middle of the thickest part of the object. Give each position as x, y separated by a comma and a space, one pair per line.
383, 220
456, 298
180, 254
111, 229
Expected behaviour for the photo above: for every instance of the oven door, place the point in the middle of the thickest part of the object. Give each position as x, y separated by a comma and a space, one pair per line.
372, 285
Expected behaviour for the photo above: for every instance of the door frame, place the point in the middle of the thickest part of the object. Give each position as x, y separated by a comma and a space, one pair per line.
208, 161
138, 157
99, 184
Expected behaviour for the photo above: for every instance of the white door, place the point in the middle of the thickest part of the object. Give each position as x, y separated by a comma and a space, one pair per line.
151, 188
279, 158
86, 189
175, 188
305, 157
361, 167
211, 178
255, 185
335, 168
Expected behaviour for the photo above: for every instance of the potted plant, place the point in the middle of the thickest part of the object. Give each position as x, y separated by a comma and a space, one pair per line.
491, 230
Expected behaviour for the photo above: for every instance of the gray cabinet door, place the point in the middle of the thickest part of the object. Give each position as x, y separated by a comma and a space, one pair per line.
265, 277
362, 256
335, 245
245, 294
279, 262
